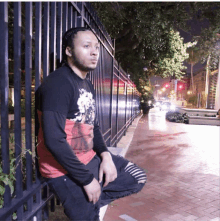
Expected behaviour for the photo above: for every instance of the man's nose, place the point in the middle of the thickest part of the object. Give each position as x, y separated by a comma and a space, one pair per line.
94, 51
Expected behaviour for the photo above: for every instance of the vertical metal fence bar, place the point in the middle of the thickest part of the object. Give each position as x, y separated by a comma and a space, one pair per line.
38, 62
28, 77
100, 77
83, 14
38, 45
59, 33
132, 102
111, 96
117, 105
125, 108
53, 37
75, 19
46, 40
80, 22
28, 74
70, 17
65, 17
17, 106
44, 196
4, 71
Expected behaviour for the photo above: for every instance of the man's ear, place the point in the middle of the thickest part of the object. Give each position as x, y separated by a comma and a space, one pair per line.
68, 52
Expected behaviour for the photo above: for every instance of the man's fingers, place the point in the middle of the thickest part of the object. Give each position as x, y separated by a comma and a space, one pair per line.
93, 191
90, 198
96, 197
107, 180
100, 175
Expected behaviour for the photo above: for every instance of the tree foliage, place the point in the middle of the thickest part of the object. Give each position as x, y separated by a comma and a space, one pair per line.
142, 30
146, 34
209, 39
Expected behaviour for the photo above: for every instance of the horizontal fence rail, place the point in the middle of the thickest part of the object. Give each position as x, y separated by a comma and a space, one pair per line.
31, 39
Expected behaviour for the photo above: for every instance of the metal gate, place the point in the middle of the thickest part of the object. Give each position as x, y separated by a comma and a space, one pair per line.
31, 38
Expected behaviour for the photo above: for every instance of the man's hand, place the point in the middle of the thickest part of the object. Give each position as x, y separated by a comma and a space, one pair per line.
93, 191
108, 168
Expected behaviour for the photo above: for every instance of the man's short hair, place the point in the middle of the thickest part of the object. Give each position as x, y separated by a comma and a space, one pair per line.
68, 38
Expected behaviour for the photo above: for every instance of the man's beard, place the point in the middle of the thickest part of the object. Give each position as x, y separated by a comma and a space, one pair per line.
79, 65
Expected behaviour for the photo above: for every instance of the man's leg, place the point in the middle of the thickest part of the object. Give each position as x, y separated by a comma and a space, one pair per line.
73, 197
130, 179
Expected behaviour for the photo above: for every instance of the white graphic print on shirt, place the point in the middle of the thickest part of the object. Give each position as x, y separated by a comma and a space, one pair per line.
86, 105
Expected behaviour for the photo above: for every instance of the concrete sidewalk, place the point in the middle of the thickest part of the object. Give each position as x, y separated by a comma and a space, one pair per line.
182, 164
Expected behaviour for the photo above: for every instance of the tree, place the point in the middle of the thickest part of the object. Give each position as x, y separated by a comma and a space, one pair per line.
145, 35
194, 57
145, 32
209, 39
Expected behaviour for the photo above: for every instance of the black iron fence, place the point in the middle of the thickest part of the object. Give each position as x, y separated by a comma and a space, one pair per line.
31, 38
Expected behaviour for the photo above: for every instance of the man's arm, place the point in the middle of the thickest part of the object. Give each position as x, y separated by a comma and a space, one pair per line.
107, 166
98, 140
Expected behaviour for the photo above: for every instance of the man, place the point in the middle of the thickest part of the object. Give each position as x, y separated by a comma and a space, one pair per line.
73, 156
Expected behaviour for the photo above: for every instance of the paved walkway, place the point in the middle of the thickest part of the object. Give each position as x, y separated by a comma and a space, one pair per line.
182, 164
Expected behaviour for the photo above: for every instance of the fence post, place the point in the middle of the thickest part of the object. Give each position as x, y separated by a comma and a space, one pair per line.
53, 37
59, 33
80, 22
4, 71
38, 45
46, 40
65, 17
17, 107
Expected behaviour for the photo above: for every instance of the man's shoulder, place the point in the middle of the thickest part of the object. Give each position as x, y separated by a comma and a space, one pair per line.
61, 72
56, 81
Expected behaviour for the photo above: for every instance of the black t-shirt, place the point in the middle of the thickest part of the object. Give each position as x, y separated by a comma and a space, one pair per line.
67, 122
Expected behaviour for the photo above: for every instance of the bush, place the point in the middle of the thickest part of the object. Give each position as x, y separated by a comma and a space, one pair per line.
177, 117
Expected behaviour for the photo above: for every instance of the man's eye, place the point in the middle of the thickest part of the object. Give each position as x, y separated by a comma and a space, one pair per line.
86, 46
97, 47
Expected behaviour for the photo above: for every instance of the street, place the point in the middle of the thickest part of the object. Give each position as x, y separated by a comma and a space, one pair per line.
182, 165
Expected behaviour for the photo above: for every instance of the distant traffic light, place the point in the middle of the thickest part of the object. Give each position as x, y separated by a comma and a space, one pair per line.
167, 85
181, 86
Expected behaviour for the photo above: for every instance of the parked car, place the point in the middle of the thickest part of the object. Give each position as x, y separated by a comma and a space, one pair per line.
167, 106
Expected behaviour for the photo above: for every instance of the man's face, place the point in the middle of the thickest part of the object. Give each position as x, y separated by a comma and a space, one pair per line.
86, 51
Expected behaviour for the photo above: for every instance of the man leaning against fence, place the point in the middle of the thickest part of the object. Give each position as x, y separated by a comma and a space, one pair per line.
73, 156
